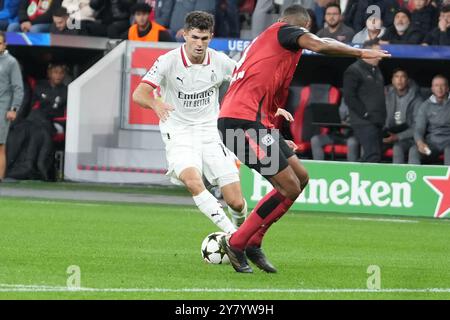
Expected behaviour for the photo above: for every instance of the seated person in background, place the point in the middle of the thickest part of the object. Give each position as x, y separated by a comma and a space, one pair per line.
114, 15
335, 27
402, 32
8, 13
82, 18
402, 105
50, 96
440, 36
374, 30
424, 17
319, 141
432, 130
35, 16
59, 25
145, 30
227, 19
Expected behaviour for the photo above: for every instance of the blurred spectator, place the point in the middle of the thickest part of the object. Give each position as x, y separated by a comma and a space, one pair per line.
163, 12
335, 28
374, 30
425, 16
364, 94
145, 30
114, 15
402, 32
227, 19
319, 11
432, 130
307, 4
35, 16
82, 18
182, 7
11, 96
440, 36
59, 25
50, 96
261, 18
343, 136
8, 12
312, 25
402, 105
358, 17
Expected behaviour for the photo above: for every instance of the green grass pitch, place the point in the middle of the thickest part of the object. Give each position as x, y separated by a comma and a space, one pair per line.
127, 251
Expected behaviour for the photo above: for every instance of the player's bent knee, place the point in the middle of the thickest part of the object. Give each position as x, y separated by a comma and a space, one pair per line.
194, 186
236, 204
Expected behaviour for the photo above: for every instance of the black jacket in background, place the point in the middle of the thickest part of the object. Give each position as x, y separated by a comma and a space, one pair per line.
411, 36
357, 18
364, 94
52, 100
438, 38
47, 17
112, 10
425, 19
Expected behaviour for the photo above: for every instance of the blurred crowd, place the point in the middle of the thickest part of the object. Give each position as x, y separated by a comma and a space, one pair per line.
392, 21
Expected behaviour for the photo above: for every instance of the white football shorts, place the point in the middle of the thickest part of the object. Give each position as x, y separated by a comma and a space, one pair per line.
206, 153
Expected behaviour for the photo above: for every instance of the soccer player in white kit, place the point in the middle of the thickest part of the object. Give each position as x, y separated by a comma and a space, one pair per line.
189, 78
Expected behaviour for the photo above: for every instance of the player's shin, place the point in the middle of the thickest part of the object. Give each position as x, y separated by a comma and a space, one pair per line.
212, 208
268, 210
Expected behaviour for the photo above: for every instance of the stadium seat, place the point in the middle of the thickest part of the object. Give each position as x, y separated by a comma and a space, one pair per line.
298, 102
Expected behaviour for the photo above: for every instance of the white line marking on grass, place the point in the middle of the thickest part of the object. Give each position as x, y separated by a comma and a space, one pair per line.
82, 204
384, 220
43, 288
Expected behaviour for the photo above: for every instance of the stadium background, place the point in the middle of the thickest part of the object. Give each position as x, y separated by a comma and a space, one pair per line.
111, 143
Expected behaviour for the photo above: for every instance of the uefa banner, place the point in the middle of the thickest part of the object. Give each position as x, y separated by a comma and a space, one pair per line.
403, 190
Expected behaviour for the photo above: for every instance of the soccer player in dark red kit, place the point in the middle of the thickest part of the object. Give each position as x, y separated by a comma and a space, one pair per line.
257, 92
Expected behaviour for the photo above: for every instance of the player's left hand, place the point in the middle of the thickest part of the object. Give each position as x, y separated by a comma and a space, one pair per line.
292, 145
11, 115
287, 115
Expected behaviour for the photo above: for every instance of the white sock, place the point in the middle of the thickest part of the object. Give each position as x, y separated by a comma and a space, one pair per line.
212, 208
237, 214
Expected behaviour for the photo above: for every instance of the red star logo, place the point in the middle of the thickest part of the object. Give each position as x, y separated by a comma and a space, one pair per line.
442, 187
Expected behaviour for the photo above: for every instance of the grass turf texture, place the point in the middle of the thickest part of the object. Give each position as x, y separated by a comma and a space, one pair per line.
142, 246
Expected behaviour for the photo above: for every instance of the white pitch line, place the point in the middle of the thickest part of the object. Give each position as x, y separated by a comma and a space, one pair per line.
40, 288
384, 220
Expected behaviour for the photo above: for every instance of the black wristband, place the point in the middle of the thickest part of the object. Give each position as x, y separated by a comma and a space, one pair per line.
13, 109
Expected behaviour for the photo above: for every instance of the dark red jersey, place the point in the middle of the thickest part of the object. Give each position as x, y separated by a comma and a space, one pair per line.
260, 82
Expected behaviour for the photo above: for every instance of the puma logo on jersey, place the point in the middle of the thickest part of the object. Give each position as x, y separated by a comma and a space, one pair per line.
181, 80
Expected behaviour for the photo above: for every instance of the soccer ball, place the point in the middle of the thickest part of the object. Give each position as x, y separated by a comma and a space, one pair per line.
211, 251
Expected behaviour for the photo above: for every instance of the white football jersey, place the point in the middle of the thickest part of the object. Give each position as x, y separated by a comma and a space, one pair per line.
192, 89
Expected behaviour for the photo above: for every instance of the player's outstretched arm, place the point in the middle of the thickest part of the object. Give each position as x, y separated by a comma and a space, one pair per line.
143, 96
333, 47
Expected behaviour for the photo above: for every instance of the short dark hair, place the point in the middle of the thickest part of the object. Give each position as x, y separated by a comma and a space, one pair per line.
371, 43
60, 12
400, 70
199, 20
333, 5
141, 7
404, 11
57, 64
445, 8
3, 36
294, 10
